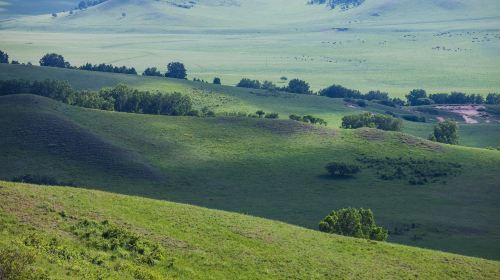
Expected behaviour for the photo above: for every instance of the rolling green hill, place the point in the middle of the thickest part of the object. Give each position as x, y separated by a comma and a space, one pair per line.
267, 168
227, 100
54, 234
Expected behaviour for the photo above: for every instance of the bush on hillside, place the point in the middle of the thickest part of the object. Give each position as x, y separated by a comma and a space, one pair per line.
272, 116
339, 169
298, 86
378, 121
445, 132
39, 180
4, 57
493, 99
308, 119
217, 81
176, 70
359, 223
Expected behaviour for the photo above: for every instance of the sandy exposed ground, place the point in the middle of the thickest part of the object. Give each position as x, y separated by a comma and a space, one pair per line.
470, 113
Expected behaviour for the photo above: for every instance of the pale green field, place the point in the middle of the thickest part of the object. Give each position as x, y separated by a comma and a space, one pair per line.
393, 52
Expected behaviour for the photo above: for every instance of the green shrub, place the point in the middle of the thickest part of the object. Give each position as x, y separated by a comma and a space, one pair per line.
338, 169
272, 116
17, 264
445, 132
379, 121
358, 223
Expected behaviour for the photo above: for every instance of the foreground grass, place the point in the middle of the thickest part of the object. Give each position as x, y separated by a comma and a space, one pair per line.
199, 243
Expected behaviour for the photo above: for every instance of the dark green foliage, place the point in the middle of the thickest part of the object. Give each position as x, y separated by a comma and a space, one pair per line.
456, 98
416, 171
354, 222
260, 113
17, 264
372, 120
39, 180
54, 60
340, 169
273, 116
445, 132
493, 98
176, 70
152, 72
308, 119
414, 96
267, 85
217, 81
120, 98
109, 237
109, 68
414, 118
4, 57
338, 91
298, 86
247, 83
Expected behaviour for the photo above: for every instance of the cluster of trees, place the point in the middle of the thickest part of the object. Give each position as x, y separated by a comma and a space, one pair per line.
175, 70
419, 97
262, 114
294, 86
120, 98
445, 132
340, 169
359, 223
107, 68
338, 91
308, 119
379, 121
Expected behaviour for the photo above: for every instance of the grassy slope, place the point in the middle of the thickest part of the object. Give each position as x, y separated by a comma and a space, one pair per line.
230, 99
267, 168
204, 244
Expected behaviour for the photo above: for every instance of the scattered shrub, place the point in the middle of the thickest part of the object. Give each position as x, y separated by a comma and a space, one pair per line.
247, 83
414, 118
153, 71
39, 180
298, 86
272, 116
217, 81
54, 60
4, 57
176, 70
339, 169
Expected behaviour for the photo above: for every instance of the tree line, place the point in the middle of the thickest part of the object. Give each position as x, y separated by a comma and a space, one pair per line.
119, 98
177, 70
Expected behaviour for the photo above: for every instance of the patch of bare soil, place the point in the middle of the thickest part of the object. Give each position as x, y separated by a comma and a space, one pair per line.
370, 134
470, 113
419, 143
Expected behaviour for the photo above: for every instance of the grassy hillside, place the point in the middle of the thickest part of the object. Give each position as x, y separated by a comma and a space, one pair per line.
267, 168
49, 232
226, 99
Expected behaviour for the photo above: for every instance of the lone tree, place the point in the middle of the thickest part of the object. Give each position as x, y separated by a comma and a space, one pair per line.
4, 57
339, 169
354, 222
54, 60
176, 70
260, 113
217, 81
298, 86
445, 132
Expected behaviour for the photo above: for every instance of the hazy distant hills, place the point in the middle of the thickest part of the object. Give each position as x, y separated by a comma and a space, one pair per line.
159, 15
